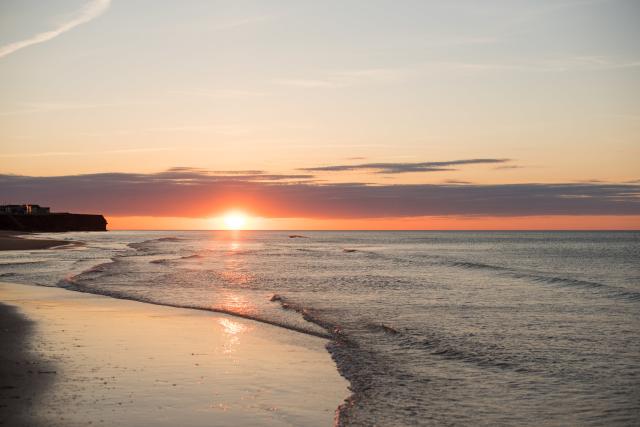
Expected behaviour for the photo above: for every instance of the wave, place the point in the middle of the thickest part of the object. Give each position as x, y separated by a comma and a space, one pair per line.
15, 263
474, 352
71, 284
334, 331
145, 243
608, 290
163, 261
477, 265
168, 239
96, 271
536, 277
369, 370
100, 268
452, 348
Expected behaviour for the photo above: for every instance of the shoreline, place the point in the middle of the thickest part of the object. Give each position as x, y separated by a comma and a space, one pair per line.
10, 241
119, 362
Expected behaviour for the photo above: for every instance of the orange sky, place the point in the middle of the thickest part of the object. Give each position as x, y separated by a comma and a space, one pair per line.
549, 222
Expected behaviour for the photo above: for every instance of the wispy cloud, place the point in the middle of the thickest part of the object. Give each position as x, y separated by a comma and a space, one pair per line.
88, 13
456, 181
405, 167
508, 167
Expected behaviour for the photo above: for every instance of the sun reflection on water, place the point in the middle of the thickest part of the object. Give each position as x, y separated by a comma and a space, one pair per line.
235, 303
232, 327
232, 331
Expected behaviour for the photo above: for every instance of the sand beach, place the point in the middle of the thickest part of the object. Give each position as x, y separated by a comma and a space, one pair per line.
70, 358
14, 241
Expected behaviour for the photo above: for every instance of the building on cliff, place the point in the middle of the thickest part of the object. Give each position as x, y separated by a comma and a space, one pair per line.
26, 209
32, 217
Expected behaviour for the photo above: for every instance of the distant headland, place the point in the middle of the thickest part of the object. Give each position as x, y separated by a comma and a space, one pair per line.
31, 217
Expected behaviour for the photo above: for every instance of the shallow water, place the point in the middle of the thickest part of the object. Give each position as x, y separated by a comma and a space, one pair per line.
516, 328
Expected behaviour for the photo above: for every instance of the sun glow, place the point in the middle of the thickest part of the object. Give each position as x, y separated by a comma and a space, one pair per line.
235, 220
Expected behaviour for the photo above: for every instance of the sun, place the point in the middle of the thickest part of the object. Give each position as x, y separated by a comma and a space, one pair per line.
235, 220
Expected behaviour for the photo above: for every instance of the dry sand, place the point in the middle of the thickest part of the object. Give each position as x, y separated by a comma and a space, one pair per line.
78, 359
9, 241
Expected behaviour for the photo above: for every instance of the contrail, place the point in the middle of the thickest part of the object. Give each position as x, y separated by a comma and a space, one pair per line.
89, 12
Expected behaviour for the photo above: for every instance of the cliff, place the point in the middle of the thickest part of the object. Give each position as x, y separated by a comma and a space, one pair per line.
53, 222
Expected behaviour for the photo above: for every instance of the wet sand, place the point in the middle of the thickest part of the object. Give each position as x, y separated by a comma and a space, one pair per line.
20, 378
71, 359
9, 241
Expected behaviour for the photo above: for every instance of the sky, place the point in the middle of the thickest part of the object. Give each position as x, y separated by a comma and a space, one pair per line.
378, 114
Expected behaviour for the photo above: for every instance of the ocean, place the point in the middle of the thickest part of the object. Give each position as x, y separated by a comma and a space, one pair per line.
482, 328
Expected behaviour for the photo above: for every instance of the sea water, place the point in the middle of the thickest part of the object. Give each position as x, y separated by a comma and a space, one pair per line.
511, 328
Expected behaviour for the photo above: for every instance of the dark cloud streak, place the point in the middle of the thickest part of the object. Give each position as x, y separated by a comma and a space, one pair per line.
394, 168
194, 193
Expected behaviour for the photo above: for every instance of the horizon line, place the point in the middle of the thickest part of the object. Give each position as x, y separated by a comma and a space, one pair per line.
370, 230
